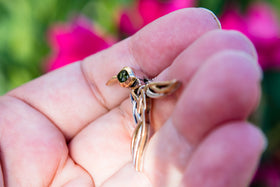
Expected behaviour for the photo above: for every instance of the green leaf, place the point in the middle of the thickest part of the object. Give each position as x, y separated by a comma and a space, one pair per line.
275, 4
215, 6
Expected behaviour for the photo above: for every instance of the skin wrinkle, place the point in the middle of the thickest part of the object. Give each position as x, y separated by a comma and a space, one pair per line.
4, 174
84, 171
126, 115
134, 60
94, 89
180, 136
78, 166
125, 119
123, 167
57, 171
111, 176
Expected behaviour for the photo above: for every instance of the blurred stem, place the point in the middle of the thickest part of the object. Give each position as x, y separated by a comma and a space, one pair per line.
270, 123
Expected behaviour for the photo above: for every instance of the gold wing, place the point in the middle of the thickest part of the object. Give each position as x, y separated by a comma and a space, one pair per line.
160, 89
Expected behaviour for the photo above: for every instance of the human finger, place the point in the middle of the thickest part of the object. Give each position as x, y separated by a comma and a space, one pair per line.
189, 61
226, 157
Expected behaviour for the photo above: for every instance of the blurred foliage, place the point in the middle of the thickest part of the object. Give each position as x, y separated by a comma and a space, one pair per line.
276, 5
270, 122
23, 30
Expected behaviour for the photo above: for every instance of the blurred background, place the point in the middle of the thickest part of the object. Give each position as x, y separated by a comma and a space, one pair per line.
39, 36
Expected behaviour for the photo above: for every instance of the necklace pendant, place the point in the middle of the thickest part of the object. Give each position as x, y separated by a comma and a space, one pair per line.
142, 91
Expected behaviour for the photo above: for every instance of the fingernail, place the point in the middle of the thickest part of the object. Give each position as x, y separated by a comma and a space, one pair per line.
214, 17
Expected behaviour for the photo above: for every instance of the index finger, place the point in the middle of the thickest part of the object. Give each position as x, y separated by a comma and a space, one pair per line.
73, 96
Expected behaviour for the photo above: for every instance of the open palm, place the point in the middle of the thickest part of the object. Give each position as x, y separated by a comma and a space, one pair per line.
67, 128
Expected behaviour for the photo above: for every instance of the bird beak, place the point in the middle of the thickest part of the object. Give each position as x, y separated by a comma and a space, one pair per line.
112, 81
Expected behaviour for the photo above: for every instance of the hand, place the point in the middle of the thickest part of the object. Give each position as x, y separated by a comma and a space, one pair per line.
67, 128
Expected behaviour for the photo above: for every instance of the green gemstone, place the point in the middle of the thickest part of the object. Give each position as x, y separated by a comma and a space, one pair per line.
123, 76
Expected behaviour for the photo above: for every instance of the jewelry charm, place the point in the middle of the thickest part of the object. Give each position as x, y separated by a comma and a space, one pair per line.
142, 91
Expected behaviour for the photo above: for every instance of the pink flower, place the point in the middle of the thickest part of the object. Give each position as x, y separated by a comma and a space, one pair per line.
268, 175
73, 42
146, 11
260, 24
